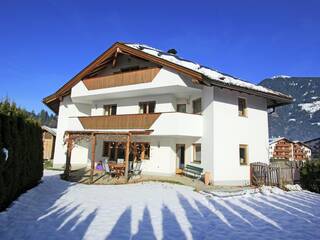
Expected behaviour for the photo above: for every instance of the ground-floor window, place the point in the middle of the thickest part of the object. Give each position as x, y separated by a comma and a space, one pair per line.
116, 150
143, 150
197, 153
243, 154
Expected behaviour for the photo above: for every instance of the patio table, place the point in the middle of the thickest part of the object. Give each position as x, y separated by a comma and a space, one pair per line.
117, 168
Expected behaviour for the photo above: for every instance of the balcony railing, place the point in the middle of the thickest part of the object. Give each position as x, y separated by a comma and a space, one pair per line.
122, 79
129, 121
161, 124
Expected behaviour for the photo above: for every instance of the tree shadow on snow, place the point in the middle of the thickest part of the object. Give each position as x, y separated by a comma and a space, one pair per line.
37, 214
170, 225
145, 230
122, 228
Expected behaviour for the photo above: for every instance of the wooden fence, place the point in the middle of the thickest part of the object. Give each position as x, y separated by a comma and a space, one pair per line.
275, 174
263, 174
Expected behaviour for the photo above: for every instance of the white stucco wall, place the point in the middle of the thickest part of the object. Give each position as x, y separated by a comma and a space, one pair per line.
207, 146
67, 109
230, 130
164, 103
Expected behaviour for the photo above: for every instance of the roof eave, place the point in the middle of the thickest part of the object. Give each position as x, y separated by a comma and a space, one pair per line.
276, 100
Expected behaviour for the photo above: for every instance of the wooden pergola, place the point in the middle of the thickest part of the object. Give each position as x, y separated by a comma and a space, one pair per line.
73, 136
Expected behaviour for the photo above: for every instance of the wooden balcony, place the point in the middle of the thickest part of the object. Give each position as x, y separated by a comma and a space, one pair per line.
122, 79
283, 145
129, 121
280, 149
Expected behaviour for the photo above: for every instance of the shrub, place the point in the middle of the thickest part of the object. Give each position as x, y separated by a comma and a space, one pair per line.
22, 137
310, 176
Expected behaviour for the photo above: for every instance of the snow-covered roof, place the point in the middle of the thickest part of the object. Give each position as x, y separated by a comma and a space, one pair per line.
209, 73
53, 131
274, 140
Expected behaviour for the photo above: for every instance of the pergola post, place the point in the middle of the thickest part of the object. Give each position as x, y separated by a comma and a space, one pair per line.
93, 156
68, 158
127, 156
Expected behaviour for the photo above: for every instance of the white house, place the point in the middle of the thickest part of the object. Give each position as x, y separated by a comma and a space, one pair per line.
177, 112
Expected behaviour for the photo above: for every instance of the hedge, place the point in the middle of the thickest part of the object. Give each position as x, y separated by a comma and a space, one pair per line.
23, 169
310, 176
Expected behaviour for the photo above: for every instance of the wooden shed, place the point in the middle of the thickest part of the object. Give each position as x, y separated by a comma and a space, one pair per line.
49, 139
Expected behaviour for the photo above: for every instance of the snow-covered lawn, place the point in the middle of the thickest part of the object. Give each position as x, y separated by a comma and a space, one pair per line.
61, 210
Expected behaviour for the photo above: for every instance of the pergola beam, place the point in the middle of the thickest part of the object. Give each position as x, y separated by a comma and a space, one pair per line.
93, 156
126, 173
68, 159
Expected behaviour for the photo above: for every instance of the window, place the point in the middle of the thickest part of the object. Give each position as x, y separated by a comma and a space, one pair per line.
242, 107
121, 150
181, 108
105, 150
196, 104
147, 107
197, 153
243, 154
143, 150
110, 109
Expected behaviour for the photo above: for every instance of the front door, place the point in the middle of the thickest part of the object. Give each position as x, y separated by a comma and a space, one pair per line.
180, 149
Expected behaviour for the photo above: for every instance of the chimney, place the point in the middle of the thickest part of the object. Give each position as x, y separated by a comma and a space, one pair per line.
172, 51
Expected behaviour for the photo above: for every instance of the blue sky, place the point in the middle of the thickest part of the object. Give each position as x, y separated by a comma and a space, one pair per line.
44, 43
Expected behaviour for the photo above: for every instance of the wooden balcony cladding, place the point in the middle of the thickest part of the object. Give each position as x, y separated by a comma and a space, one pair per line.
130, 121
122, 79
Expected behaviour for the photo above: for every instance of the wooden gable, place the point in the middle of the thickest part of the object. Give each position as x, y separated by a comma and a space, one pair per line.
111, 56
125, 70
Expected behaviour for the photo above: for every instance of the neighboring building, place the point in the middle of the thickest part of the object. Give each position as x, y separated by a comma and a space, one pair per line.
283, 148
49, 140
170, 111
314, 144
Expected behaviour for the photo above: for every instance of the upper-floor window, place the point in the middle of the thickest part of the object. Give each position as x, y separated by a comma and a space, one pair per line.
147, 107
242, 107
182, 108
196, 105
110, 109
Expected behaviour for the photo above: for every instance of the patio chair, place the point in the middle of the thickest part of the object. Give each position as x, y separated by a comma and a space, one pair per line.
120, 160
136, 170
107, 168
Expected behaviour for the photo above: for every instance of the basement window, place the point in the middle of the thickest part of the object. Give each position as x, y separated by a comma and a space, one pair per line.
242, 107
243, 154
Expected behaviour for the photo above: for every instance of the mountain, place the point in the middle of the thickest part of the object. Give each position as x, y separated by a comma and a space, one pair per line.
301, 119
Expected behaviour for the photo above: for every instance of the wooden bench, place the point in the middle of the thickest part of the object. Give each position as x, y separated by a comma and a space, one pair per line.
193, 171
